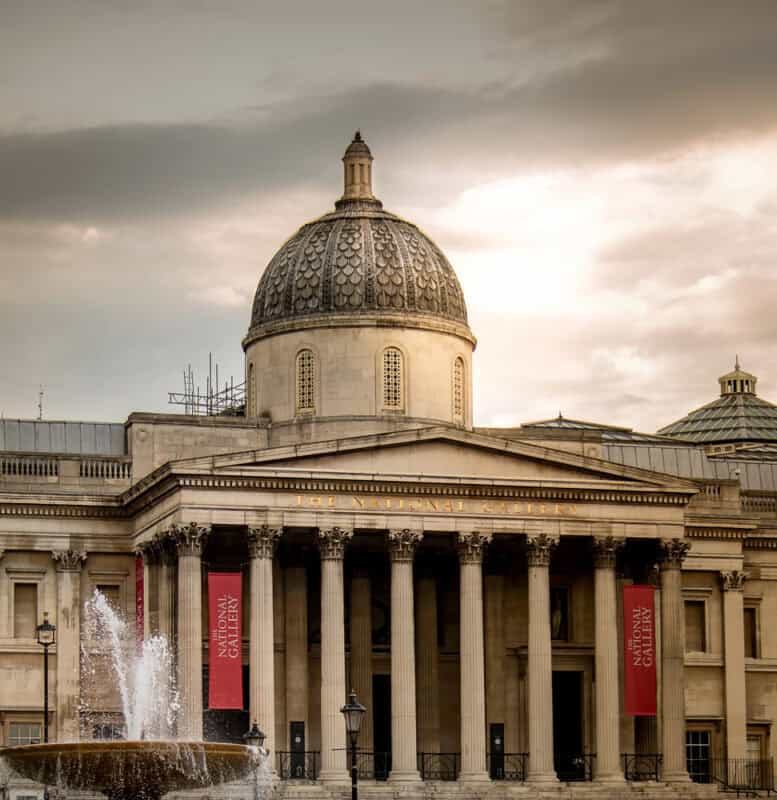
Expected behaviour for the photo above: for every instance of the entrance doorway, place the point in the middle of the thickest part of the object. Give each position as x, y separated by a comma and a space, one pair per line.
570, 761
381, 725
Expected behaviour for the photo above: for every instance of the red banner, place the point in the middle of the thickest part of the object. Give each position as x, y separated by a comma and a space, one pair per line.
225, 643
139, 601
639, 650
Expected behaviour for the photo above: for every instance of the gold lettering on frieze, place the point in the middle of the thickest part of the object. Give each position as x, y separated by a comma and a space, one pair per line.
428, 505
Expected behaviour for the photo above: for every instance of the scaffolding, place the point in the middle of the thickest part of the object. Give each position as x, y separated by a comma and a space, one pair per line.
214, 400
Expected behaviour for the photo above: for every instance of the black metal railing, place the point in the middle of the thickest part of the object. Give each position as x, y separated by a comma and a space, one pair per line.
642, 766
575, 766
507, 766
298, 766
439, 766
373, 766
739, 774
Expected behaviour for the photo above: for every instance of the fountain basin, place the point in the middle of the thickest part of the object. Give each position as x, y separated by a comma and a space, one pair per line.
123, 770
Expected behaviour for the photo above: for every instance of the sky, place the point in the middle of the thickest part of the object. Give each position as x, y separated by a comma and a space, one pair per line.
600, 173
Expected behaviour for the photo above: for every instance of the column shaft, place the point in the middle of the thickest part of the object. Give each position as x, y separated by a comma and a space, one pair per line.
540, 663
261, 651
606, 650
672, 661
190, 540
404, 758
166, 589
472, 657
68, 658
428, 666
333, 762
297, 680
734, 653
361, 650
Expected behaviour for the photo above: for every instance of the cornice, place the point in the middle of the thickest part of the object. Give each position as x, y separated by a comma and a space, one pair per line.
62, 510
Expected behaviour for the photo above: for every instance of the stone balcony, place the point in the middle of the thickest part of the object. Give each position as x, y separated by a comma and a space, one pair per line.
35, 472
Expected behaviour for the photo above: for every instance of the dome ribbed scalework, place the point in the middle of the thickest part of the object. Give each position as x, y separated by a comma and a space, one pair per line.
358, 260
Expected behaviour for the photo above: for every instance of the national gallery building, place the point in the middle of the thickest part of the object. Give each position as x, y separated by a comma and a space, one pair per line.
557, 603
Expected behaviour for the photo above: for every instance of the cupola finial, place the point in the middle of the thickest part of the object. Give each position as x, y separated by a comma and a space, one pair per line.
357, 170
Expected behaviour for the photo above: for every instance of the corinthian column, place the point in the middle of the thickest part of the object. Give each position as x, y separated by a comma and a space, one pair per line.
606, 661
404, 758
190, 541
166, 586
672, 660
733, 584
332, 546
540, 663
473, 670
361, 649
261, 653
428, 663
68, 565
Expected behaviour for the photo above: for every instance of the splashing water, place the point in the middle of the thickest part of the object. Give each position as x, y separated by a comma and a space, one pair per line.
144, 675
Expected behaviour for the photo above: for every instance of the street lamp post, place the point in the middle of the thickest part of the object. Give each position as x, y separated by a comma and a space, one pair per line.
354, 712
46, 635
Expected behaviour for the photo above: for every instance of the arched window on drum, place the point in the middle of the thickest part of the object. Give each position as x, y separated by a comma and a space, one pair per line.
459, 391
306, 382
393, 380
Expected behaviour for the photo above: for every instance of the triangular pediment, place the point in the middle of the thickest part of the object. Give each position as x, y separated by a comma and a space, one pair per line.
438, 453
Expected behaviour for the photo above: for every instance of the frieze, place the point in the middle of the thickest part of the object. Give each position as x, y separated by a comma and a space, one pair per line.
402, 543
332, 542
472, 546
262, 541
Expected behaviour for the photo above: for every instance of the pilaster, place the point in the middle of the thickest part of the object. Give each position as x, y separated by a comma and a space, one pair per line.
732, 585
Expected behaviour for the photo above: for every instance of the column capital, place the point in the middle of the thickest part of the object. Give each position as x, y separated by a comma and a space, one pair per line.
68, 560
262, 541
402, 543
733, 581
673, 553
166, 548
538, 549
332, 542
472, 546
606, 549
190, 538
150, 551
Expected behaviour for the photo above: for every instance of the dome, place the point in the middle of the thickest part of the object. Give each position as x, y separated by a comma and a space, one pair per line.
358, 265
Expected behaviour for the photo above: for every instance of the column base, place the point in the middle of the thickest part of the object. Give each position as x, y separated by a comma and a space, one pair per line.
404, 776
542, 777
334, 776
675, 776
473, 777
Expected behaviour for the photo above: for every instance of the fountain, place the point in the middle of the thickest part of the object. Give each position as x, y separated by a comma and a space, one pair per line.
150, 762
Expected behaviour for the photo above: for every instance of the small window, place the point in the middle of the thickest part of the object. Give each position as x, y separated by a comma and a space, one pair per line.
25, 610
458, 390
306, 382
695, 627
24, 733
697, 755
111, 594
393, 390
751, 632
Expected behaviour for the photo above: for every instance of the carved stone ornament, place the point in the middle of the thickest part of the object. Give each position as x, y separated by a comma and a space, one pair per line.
149, 551
68, 560
262, 541
472, 546
539, 548
673, 553
733, 581
166, 548
332, 542
402, 543
190, 538
606, 550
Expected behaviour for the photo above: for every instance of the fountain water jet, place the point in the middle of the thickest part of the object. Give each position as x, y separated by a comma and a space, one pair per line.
151, 761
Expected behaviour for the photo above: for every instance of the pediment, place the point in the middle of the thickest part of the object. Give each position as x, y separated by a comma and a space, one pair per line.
440, 453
